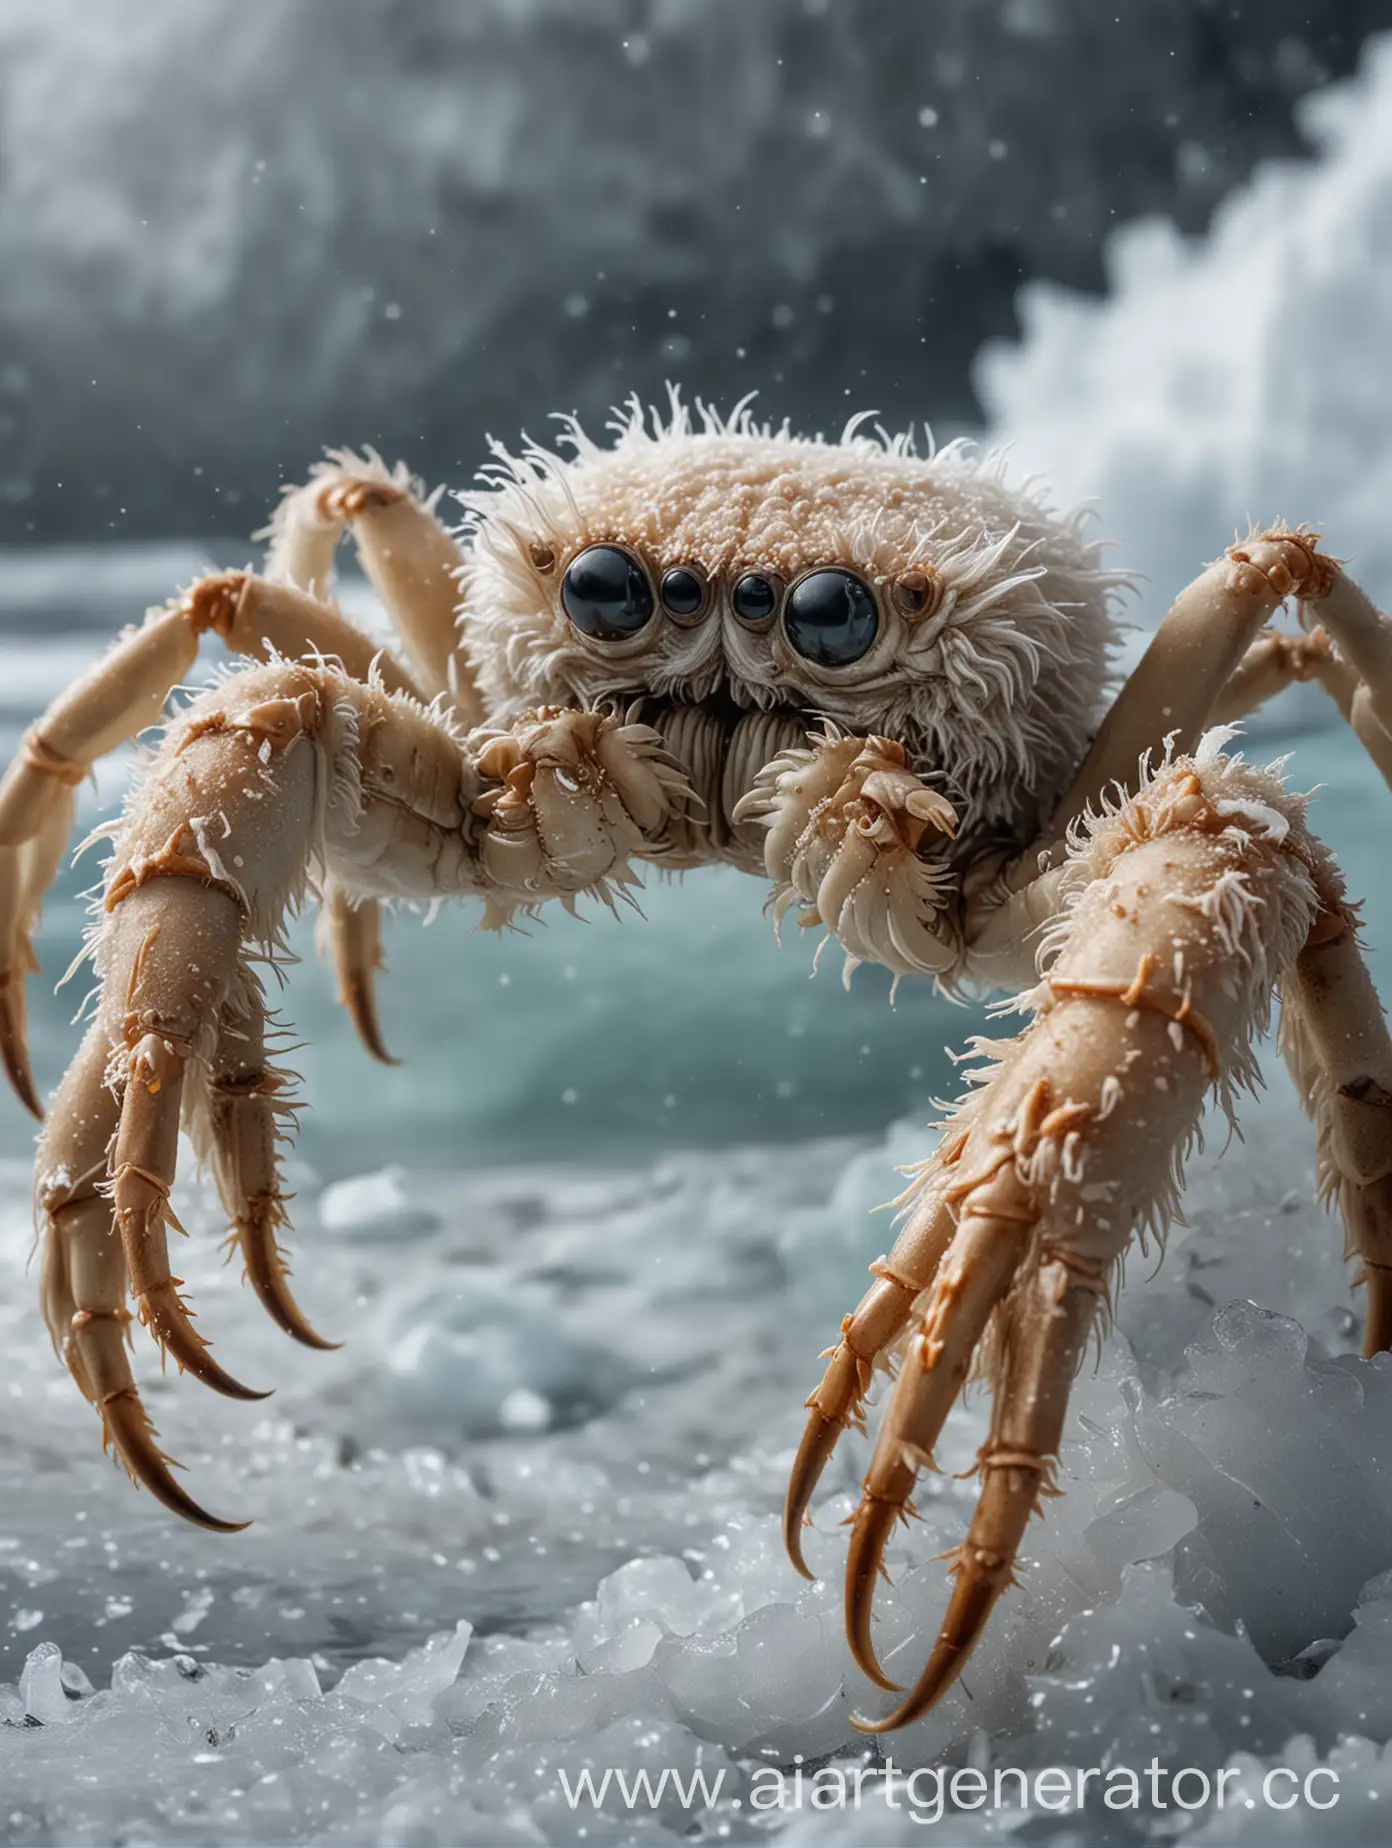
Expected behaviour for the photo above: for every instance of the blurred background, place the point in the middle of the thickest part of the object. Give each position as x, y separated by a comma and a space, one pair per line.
1125, 241
232, 234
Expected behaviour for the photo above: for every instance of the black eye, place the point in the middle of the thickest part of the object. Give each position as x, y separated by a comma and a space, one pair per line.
755, 598
606, 594
831, 618
683, 593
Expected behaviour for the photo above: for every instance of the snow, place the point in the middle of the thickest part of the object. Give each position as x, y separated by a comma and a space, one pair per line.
436, 1612
525, 1522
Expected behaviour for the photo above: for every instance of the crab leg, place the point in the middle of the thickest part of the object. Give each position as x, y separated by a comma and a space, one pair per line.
877, 1322
1335, 1039
85, 1277
239, 1125
1364, 637
1276, 661
350, 930
1053, 1316
411, 561
26, 872
1180, 910
152, 937
264, 778
1193, 656
413, 566
118, 698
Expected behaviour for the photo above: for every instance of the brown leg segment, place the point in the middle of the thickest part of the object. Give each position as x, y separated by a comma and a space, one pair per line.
266, 776
350, 930
411, 561
876, 1325
239, 1125
1181, 908
1195, 653
1276, 661
1335, 1039
1053, 1316
123, 694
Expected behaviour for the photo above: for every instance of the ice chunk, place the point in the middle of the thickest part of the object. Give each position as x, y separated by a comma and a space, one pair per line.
400, 1695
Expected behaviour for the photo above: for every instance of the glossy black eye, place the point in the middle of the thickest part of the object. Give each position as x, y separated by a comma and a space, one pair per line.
832, 618
683, 593
755, 598
606, 594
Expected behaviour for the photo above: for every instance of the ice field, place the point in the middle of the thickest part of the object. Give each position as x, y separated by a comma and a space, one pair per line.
585, 1245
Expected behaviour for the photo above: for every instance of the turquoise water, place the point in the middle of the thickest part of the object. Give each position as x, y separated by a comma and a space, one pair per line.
605, 1039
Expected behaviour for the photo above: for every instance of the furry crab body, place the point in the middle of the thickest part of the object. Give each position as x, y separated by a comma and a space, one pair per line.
878, 678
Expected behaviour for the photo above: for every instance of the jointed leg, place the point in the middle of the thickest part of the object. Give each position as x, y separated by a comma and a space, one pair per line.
121, 696
1276, 661
411, 561
273, 774
413, 564
1335, 1039
867, 1337
1201, 650
1178, 912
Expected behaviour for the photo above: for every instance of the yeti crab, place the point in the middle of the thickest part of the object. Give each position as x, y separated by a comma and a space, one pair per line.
876, 677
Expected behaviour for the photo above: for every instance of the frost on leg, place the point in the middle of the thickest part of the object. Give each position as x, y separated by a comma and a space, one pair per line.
278, 776
120, 696
1181, 908
242, 1111
168, 951
411, 561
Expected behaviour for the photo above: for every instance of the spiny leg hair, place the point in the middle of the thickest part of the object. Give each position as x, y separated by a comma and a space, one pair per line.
262, 783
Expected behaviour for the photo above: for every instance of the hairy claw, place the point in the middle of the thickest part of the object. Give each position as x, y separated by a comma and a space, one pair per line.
166, 1315
255, 1232
126, 1424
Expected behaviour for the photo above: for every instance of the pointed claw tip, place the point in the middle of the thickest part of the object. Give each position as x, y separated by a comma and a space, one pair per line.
818, 1442
126, 1424
875, 1520
361, 1002
888, 1724
168, 1322
16, 1061
792, 1543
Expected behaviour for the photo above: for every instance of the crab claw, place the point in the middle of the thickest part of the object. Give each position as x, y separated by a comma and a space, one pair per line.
877, 1322
127, 1425
255, 1232
165, 1314
833, 1406
353, 936
1051, 1317
14, 1040
973, 1277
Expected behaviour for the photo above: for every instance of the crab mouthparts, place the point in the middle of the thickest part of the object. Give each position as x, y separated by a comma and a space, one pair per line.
723, 747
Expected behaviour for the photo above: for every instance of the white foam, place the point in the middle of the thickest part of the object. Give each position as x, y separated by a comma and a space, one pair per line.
1240, 375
